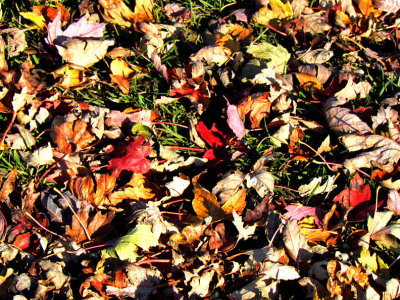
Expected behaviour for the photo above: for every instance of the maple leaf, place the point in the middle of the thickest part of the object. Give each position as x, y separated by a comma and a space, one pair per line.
131, 157
83, 226
393, 202
357, 197
71, 136
256, 107
216, 139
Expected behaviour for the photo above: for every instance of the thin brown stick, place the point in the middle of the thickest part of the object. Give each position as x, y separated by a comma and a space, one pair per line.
8, 129
44, 228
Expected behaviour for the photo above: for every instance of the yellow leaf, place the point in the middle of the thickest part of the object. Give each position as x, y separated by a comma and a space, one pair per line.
136, 189
236, 202
117, 12
71, 77
35, 18
275, 12
374, 263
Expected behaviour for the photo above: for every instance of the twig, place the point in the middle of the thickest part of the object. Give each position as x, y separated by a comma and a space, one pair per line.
8, 129
79, 220
48, 170
44, 228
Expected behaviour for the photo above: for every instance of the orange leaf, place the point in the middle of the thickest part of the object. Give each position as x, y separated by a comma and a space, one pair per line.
257, 107
8, 186
309, 82
205, 204
367, 8
72, 136
49, 13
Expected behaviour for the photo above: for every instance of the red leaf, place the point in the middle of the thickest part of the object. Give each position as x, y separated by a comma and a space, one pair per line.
357, 196
23, 241
131, 157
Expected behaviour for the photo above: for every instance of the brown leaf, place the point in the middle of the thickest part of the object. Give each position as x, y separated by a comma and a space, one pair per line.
256, 107
8, 186
82, 220
29, 197
342, 121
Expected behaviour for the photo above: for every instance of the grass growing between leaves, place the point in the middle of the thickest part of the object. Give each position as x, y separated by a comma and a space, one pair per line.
180, 164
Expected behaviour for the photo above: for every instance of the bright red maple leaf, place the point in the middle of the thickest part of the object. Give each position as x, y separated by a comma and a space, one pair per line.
131, 157
357, 197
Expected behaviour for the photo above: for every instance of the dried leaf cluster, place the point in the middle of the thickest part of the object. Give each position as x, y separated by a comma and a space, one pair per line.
271, 90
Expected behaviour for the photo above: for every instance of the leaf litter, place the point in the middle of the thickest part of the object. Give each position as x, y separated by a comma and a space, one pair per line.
173, 150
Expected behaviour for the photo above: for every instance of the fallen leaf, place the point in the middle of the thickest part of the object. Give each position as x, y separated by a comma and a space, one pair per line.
244, 232
393, 202
138, 189
382, 152
260, 179
127, 247
39, 157
277, 56
275, 13
71, 136
16, 42
235, 122
277, 271
357, 197
80, 43
206, 204
256, 107
296, 242
117, 12
9, 184
131, 157
92, 225
317, 187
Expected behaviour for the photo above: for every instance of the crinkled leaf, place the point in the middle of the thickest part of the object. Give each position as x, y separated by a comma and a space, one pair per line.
277, 55
379, 151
